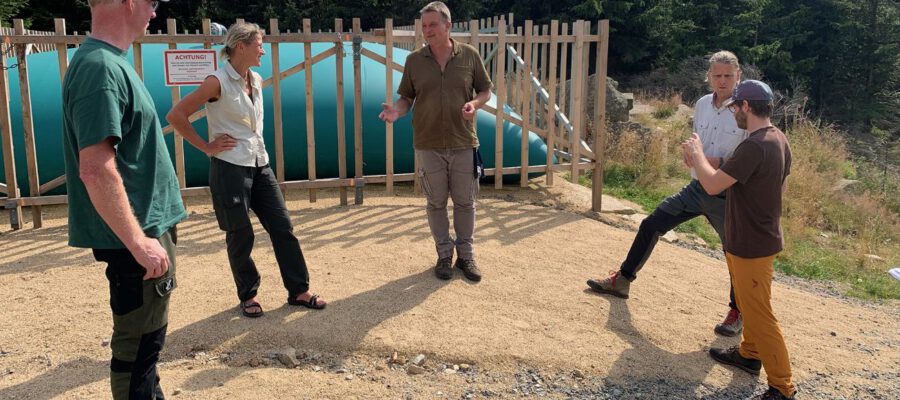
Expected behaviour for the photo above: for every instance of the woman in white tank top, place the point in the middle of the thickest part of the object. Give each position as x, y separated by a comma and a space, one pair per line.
240, 178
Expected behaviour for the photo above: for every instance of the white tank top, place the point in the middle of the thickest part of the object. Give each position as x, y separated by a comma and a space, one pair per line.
239, 116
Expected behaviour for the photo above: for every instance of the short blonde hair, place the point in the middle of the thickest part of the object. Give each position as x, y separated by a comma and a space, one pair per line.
438, 7
239, 32
724, 57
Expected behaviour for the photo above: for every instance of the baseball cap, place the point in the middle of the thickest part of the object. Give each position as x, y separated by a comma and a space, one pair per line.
750, 90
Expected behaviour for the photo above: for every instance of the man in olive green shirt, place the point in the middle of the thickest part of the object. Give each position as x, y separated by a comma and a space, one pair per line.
123, 193
447, 83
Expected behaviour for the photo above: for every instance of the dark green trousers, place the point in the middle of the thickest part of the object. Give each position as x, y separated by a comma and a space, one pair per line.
140, 316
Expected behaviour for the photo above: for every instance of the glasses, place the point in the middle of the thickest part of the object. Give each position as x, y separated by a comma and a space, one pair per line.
735, 106
154, 4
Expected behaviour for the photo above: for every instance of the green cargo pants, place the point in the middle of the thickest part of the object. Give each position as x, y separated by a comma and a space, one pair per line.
140, 317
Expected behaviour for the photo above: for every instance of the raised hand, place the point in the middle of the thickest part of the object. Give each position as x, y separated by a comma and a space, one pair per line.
388, 113
468, 111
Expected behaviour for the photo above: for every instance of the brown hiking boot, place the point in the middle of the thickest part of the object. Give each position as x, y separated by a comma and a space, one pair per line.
444, 268
732, 356
732, 325
469, 269
616, 285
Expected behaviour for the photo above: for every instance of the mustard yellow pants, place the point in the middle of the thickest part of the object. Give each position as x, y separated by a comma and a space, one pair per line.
762, 339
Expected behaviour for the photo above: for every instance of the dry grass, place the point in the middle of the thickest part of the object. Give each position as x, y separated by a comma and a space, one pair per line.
849, 235
834, 234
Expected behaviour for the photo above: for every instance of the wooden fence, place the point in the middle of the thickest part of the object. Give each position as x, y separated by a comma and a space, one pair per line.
529, 66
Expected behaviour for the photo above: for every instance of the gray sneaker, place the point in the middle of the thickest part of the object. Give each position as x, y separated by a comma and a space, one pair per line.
444, 268
469, 269
732, 325
615, 284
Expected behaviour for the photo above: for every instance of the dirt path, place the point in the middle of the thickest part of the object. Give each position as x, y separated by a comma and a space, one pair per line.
529, 328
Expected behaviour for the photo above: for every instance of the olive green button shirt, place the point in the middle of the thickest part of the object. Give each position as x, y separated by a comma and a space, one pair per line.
438, 97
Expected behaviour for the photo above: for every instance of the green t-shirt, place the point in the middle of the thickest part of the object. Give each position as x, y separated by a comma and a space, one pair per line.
104, 98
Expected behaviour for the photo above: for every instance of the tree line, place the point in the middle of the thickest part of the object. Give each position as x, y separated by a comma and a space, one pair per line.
841, 56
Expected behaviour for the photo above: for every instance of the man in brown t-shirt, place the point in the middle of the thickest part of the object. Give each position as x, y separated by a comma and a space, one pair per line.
447, 82
754, 178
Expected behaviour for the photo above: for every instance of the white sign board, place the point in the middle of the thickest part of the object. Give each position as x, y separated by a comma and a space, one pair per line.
188, 67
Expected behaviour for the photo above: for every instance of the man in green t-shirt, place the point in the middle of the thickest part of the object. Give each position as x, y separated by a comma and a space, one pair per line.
124, 199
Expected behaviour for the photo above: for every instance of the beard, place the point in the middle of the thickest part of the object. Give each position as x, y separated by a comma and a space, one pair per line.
741, 119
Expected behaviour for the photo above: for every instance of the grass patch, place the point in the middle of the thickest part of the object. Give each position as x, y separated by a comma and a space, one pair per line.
664, 111
808, 258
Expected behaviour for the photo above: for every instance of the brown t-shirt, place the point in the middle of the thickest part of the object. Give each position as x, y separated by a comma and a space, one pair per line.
439, 96
760, 164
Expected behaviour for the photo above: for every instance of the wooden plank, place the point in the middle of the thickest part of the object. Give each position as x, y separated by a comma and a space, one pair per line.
501, 101
339, 108
564, 72
586, 71
176, 97
138, 54
526, 104
300, 66
31, 162
9, 161
36, 202
545, 55
535, 73
577, 115
419, 42
519, 75
357, 101
161, 38
381, 60
310, 122
551, 90
276, 102
600, 117
62, 55
53, 184
389, 98
321, 183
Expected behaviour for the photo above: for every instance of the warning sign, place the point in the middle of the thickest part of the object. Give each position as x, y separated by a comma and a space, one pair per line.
188, 67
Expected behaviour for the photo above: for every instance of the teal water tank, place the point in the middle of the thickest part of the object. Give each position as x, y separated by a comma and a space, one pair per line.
46, 101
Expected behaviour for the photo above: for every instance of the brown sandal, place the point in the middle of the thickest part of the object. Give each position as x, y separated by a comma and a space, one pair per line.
250, 304
312, 303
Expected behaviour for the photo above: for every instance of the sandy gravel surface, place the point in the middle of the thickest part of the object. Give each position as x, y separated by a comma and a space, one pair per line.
528, 329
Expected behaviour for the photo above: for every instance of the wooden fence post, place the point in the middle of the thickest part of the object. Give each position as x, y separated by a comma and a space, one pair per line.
526, 103
176, 97
357, 101
551, 103
9, 161
419, 42
31, 163
600, 117
389, 98
310, 122
500, 80
276, 101
577, 115
339, 107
